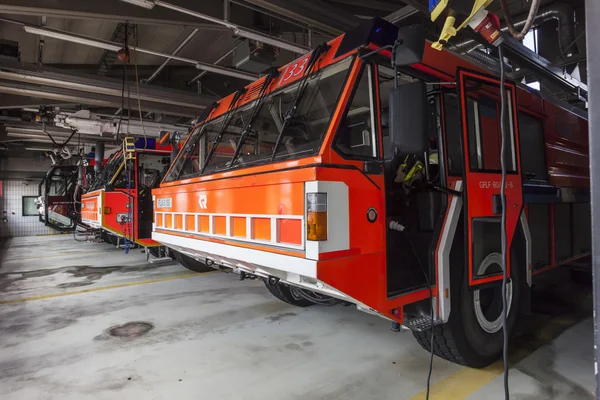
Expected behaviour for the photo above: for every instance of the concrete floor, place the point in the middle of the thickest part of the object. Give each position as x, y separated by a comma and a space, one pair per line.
214, 337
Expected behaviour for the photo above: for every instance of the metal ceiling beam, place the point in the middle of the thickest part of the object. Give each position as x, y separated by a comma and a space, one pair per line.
375, 4
419, 5
91, 99
39, 134
181, 46
314, 13
104, 86
121, 34
219, 60
237, 29
19, 102
108, 45
245, 4
400, 14
526, 58
103, 11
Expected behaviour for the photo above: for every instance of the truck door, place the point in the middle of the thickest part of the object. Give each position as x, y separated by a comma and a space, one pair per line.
57, 192
479, 99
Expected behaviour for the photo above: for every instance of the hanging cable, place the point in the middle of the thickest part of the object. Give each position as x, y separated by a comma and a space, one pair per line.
137, 84
54, 141
432, 336
533, 9
123, 77
122, 102
505, 333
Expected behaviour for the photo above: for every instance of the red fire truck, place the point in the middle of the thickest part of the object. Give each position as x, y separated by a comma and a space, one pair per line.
119, 200
59, 197
347, 180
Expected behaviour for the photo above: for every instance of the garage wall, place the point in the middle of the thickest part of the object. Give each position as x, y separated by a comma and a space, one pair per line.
11, 210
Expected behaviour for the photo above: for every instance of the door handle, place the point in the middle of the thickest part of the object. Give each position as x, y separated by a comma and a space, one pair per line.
496, 204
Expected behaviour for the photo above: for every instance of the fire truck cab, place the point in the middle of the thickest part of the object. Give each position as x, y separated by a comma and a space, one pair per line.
59, 199
119, 202
340, 179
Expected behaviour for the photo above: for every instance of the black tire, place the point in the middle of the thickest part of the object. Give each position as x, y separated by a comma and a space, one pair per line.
284, 293
581, 277
190, 263
110, 238
462, 340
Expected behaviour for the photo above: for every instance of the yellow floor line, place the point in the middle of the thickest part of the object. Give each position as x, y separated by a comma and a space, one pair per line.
466, 381
98, 289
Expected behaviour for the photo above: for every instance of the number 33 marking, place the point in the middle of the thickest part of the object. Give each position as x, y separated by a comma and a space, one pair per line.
296, 69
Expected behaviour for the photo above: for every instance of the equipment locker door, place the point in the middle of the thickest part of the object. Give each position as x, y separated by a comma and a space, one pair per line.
481, 139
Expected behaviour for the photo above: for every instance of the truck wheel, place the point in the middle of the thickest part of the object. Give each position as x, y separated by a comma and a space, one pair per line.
110, 239
581, 276
190, 263
286, 294
473, 334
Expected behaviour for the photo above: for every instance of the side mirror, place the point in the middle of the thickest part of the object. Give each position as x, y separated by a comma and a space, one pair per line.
408, 118
98, 157
410, 46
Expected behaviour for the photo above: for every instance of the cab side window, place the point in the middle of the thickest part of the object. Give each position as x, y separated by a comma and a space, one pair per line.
356, 136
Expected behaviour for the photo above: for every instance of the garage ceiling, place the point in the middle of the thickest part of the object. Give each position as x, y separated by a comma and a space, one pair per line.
166, 31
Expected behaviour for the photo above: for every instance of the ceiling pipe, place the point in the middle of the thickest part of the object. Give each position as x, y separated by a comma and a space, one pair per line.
42, 137
72, 96
201, 74
38, 78
325, 18
281, 17
560, 12
113, 46
401, 14
237, 29
184, 43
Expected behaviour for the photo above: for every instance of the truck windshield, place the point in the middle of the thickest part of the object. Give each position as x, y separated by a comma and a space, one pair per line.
109, 170
301, 137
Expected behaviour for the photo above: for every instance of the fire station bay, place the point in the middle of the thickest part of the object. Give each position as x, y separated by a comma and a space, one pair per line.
299, 199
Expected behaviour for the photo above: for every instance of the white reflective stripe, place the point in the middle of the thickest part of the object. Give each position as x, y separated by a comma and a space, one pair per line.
274, 232
296, 265
249, 232
195, 230
443, 255
100, 207
338, 218
511, 124
477, 135
527, 233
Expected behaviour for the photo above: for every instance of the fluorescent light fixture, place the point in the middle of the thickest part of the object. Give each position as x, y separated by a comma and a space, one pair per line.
111, 46
148, 4
38, 149
229, 71
71, 37
280, 43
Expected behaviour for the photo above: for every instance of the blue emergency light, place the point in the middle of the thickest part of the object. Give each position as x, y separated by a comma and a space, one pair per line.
433, 4
145, 143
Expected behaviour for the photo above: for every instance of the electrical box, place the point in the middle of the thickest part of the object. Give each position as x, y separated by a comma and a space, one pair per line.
9, 50
254, 57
